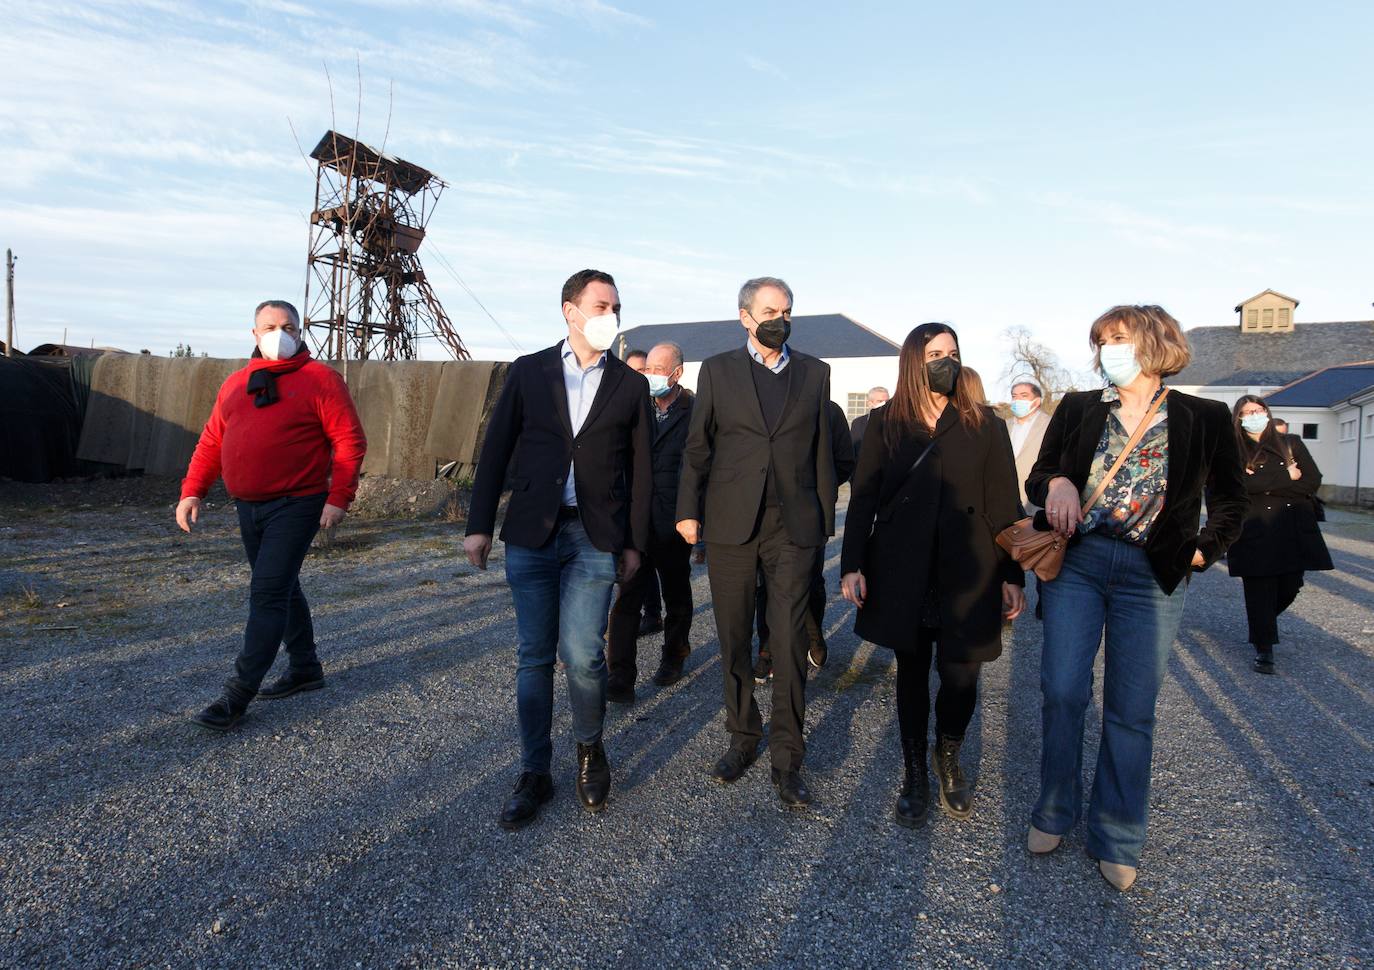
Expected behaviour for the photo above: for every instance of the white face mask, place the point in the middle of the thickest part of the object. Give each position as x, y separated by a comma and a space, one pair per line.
1119, 363
600, 330
658, 385
1254, 423
1021, 407
277, 345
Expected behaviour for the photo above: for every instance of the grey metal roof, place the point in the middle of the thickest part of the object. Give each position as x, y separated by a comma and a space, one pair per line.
1325, 387
820, 335
1225, 355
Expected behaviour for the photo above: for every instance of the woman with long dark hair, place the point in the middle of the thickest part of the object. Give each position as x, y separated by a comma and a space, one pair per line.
1280, 539
936, 482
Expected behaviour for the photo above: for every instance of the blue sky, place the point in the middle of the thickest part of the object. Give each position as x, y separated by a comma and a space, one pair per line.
986, 164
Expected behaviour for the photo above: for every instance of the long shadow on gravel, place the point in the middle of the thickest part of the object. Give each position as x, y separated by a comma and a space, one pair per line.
1269, 727
350, 683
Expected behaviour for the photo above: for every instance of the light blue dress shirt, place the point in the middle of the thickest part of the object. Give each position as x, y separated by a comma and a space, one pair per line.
777, 367
581, 385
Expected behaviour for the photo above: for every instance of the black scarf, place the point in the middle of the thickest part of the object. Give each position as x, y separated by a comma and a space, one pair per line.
262, 384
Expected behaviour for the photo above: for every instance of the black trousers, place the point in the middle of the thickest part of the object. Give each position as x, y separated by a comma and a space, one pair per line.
815, 607
653, 603
276, 536
1265, 598
954, 702
667, 563
787, 570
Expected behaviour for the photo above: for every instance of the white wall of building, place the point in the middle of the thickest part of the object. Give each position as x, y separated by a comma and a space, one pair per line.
1355, 447
1325, 446
1226, 394
847, 375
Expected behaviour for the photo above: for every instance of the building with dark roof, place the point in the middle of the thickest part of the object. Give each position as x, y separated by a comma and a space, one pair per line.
859, 358
1332, 409
1268, 348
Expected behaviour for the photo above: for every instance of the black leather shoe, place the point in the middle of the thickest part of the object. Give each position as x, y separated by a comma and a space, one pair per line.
818, 653
733, 763
593, 776
618, 693
1264, 661
225, 712
669, 672
649, 623
791, 789
956, 797
293, 682
522, 808
913, 801
763, 668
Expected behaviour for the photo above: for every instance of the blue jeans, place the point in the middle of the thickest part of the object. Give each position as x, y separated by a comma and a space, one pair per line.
276, 536
1105, 583
562, 594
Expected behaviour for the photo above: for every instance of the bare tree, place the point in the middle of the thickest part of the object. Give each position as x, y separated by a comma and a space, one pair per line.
1028, 357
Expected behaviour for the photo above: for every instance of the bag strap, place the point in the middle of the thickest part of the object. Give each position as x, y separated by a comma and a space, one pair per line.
1136, 435
909, 472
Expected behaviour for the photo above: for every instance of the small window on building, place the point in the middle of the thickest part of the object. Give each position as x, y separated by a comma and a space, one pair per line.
1347, 430
1285, 318
1369, 425
1251, 319
1309, 432
1267, 319
858, 405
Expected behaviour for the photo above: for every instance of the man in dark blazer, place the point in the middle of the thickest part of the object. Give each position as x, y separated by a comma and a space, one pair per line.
667, 560
758, 483
877, 397
569, 437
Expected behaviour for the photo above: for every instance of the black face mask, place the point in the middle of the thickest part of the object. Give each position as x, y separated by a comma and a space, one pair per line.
942, 374
773, 333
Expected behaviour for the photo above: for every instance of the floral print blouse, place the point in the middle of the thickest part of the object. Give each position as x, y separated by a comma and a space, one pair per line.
1133, 500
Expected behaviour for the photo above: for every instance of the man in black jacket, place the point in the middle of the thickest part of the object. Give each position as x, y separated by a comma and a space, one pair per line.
758, 481
668, 558
569, 437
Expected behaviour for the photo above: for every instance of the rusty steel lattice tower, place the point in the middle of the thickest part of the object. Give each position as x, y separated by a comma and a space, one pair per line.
371, 298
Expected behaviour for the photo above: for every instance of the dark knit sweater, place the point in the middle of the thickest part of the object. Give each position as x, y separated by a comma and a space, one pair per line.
772, 391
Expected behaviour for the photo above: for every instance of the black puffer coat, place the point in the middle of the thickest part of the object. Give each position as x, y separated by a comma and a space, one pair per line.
1280, 534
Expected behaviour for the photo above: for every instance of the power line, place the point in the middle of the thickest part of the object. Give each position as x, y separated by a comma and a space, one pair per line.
443, 261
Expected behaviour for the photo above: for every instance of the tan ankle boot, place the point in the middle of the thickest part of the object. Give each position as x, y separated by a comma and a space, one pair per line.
1041, 842
1121, 877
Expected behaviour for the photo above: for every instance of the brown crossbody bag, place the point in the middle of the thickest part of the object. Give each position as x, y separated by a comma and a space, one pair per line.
1043, 552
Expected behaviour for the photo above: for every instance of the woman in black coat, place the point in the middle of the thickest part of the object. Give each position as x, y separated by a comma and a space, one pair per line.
920, 558
1280, 539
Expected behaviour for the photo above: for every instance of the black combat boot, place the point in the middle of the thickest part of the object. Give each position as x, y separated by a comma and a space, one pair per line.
956, 797
913, 801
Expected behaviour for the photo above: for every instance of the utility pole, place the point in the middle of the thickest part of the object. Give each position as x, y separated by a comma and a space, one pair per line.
9, 303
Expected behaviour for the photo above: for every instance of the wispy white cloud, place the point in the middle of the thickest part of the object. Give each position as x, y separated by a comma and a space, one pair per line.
1149, 229
765, 67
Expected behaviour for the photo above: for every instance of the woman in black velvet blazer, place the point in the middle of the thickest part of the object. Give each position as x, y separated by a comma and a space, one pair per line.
1124, 572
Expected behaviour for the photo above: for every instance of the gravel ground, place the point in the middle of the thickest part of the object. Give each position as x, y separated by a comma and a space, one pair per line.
355, 826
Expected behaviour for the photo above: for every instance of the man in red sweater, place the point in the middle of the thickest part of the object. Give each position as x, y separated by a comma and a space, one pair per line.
286, 438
